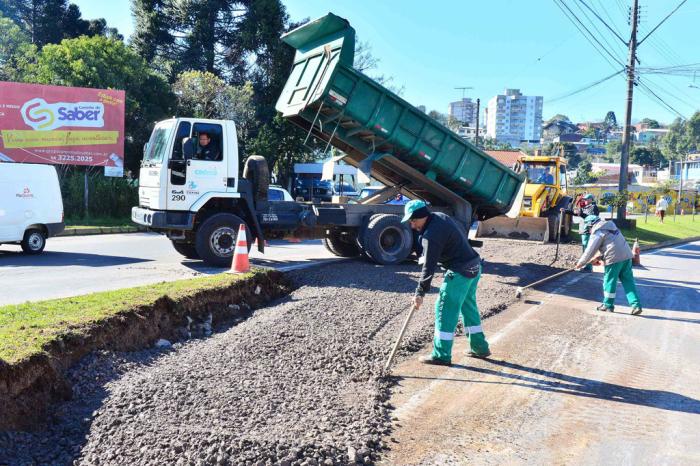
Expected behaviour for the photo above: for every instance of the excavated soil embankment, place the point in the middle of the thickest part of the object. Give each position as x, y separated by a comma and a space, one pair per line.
297, 383
30, 386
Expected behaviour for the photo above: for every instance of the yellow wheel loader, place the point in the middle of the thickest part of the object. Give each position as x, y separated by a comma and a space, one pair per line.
543, 197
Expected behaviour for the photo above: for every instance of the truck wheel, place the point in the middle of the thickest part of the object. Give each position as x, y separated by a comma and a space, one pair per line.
186, 249
34, 241
342, 244
258, 173
387, 241
216, 239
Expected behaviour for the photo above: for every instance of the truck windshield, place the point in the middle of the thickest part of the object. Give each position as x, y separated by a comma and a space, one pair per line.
540, 173
158, 144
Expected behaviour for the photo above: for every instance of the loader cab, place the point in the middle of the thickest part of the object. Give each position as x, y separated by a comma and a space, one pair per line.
186, 158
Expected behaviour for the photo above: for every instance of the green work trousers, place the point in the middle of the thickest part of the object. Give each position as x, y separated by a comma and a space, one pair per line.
584, 242
457, 296
623, 272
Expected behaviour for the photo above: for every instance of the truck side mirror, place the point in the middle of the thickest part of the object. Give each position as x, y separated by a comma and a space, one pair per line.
188, 148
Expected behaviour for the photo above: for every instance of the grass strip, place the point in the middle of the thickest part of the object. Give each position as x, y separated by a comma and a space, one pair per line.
26, 328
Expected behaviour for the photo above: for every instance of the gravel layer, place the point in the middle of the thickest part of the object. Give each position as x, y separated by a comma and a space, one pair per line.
297, 383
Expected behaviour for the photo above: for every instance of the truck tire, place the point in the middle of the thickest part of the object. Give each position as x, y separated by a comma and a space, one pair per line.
341, 244
34, 241
257, 172
186, 249
386, 240
216, 239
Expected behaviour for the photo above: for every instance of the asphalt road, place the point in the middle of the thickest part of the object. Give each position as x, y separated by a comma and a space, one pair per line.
72, 266
567, 384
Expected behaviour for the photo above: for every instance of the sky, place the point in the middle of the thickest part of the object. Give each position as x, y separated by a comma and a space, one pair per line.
430, 48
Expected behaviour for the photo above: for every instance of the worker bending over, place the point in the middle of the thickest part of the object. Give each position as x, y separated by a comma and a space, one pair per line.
617, 257
444, 241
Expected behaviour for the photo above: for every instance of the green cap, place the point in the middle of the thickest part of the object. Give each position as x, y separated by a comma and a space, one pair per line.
589, 196
591, 219
411, 207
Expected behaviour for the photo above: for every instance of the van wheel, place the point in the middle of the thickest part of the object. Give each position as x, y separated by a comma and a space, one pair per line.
186, 249
216, 239
387, 241
34, 241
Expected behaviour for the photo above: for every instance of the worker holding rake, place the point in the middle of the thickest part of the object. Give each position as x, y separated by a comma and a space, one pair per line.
444, 241
607, 239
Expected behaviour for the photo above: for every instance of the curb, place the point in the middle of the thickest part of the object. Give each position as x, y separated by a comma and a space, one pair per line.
100, 231
672, 242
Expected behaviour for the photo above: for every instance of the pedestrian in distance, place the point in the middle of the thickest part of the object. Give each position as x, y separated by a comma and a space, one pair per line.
661, 208
586, 206
443, 241
607, 240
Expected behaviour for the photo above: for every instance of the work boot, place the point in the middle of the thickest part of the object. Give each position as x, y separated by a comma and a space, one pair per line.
434, 361
485, 355
604, 308
636, 311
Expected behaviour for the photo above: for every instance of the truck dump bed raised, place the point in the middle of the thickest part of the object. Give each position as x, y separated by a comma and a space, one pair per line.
378, 129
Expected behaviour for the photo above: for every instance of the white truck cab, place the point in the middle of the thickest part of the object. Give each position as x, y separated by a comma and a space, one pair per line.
31, 207
197, 195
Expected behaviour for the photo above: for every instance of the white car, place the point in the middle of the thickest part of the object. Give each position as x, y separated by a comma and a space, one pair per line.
31, 208
278, 193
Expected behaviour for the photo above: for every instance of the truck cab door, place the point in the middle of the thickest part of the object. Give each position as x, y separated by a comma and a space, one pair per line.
203, 172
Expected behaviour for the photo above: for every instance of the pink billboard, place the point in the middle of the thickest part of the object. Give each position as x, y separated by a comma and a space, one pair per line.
62, 125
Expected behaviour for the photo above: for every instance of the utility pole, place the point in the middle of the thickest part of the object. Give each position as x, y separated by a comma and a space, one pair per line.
476, 138
624, 159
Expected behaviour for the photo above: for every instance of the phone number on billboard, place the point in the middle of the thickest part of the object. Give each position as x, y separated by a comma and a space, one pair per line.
72, 158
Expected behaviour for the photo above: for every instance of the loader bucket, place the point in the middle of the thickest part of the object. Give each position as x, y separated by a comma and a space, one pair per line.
527, 228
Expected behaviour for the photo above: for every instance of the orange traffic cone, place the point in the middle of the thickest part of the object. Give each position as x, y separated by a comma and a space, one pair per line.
636, 258
240, 263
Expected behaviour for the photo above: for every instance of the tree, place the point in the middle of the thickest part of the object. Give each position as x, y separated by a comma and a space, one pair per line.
583, 173
16, 51
610, 121
557, 117
50, 21
201, 94
648, 156
99, 62
650, 123
614, 150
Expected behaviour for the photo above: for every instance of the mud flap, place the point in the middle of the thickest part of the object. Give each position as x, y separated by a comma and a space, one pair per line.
527, 228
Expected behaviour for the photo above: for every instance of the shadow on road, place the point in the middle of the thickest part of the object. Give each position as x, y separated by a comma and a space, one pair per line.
62, 259
577, 386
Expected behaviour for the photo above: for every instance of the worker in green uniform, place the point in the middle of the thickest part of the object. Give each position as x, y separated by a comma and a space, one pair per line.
586, 206
444, 241
607, 239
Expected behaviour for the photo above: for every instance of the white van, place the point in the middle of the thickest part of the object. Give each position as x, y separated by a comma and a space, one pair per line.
31, 208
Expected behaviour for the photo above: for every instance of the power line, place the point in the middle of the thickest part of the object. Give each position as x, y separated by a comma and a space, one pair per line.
662, 22
588, 37
648, 91
601, 34
604, 23
585, 88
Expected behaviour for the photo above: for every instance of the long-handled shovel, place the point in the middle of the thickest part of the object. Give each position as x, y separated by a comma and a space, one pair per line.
398, 340
519, 291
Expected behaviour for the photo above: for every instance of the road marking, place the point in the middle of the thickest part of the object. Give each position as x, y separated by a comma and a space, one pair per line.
418, 398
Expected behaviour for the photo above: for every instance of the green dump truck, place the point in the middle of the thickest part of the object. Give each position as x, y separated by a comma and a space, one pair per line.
199, 203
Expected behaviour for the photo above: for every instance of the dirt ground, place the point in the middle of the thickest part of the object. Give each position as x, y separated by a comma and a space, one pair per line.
297, 383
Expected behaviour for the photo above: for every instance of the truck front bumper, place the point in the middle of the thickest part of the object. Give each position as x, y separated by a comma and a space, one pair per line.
162, 219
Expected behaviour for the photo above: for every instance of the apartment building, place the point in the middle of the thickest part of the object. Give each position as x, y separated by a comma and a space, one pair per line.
514, 118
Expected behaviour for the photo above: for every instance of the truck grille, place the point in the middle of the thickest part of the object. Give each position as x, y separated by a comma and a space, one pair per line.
144, 201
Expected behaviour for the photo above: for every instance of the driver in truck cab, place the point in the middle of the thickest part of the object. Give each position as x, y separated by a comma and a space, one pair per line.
207, 149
